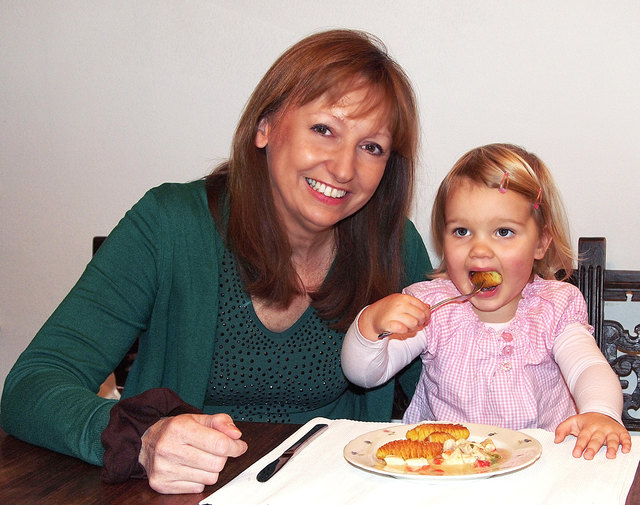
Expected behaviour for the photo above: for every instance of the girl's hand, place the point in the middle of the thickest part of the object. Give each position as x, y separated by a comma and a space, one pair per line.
593, 430
184, 453
398, 313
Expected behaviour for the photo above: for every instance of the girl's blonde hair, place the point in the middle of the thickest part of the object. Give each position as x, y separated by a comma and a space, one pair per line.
500, 165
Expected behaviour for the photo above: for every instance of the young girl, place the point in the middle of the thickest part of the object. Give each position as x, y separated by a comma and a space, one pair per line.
518, 355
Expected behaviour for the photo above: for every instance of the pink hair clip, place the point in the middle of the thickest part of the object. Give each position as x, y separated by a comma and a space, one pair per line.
504, 183
536, 204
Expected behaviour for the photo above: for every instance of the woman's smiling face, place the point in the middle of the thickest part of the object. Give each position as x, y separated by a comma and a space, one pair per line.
325, 160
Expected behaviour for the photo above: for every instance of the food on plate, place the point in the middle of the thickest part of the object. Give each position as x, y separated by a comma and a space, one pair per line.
422, 431
489, 279
432, 447
407, 449
440, 436
460, 452
410, 453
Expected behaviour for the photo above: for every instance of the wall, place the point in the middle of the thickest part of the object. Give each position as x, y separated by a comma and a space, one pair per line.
100, 101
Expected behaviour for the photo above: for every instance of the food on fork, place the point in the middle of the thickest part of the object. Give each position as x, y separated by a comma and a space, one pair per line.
489, 279
422, 431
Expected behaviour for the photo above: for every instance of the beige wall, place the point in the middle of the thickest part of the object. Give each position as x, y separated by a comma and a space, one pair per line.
101, 100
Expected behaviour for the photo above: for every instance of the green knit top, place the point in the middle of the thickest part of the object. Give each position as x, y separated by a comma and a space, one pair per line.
260, 375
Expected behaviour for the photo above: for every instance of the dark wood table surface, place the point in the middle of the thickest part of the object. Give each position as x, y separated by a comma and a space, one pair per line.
36, 476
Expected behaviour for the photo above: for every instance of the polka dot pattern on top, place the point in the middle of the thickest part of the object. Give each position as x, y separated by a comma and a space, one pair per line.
259, 375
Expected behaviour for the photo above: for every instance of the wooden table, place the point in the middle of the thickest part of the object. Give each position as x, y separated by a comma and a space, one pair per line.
36, 476
32, 475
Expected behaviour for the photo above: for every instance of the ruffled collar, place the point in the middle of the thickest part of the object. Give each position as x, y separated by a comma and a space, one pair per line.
489, 337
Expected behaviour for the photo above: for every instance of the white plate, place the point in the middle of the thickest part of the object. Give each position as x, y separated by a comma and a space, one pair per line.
518, 451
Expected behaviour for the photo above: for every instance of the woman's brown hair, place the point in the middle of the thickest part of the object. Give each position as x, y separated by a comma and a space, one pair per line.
368, 262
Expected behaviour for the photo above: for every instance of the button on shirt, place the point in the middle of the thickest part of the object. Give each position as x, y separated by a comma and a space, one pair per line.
474, 372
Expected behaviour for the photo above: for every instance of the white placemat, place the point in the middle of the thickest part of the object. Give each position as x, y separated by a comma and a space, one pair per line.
319, 474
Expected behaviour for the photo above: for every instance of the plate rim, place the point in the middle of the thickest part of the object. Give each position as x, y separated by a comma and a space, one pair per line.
401, 430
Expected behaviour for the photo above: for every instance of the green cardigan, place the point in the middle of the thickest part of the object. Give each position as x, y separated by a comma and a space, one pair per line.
156, 278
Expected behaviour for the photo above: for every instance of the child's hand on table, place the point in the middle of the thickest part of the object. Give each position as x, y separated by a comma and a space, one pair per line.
593, 430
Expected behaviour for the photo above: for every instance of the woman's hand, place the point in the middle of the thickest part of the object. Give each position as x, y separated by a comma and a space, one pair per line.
182, 454
593, 430
397, 313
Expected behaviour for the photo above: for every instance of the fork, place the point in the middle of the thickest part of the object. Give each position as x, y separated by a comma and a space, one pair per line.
457, 299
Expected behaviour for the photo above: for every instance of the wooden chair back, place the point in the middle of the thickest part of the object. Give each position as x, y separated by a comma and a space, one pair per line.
622, 350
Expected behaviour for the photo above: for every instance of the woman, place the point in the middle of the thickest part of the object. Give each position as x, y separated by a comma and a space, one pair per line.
240, 316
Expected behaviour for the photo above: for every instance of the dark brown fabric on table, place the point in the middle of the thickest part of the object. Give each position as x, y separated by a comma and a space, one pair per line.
130, 418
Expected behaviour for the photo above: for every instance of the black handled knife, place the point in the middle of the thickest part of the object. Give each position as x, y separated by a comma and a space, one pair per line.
267, 472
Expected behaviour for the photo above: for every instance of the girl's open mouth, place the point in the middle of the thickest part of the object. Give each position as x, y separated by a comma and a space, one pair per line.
490, 279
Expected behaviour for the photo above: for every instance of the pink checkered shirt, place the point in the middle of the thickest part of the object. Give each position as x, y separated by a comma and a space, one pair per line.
471, 373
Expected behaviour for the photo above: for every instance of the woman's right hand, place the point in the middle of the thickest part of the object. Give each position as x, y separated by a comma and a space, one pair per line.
397, 313
185, 453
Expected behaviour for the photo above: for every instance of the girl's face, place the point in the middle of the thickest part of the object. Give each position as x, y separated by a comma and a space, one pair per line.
325, 160
489, 230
